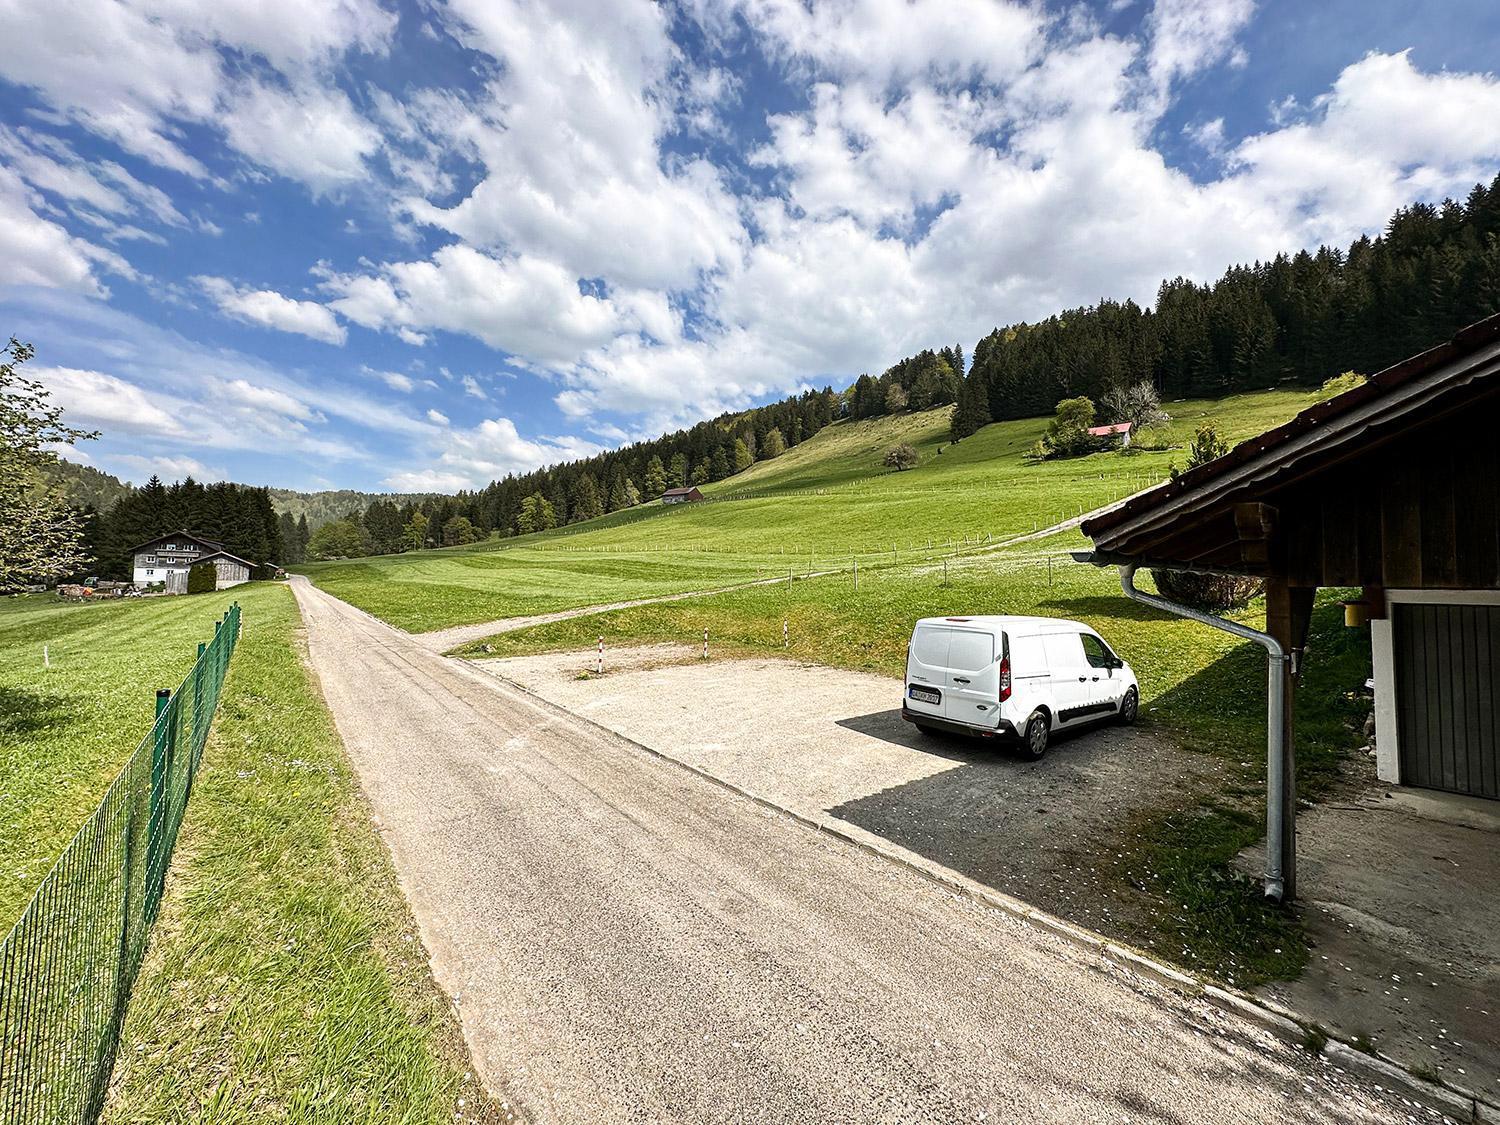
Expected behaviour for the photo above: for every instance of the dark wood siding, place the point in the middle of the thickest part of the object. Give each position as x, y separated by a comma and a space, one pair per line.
1447, 661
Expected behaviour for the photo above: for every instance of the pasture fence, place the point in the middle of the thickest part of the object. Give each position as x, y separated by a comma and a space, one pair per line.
68, 964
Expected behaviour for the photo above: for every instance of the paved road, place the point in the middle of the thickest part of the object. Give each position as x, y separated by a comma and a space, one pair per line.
628, 942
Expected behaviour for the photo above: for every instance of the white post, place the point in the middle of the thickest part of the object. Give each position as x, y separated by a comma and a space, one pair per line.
785, 636
601, 656
46, 657
705, 644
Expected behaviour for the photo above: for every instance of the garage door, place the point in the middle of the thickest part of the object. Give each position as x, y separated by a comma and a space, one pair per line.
1448, 696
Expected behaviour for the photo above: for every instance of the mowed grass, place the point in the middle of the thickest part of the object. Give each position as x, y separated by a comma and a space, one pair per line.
814, 507
66, 730
283, 979
1202, 688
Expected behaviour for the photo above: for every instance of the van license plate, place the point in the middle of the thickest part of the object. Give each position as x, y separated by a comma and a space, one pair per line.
926, 694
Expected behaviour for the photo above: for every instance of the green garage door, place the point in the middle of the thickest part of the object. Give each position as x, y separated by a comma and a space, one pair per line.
1448, 696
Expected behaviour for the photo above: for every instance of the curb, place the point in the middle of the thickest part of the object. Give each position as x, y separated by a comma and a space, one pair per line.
1383, 1073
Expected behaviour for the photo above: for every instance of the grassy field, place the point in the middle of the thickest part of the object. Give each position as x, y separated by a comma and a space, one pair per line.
814, 507
284, 980
66, 730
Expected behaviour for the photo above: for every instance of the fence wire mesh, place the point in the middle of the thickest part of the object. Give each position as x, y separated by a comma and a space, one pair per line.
67, 966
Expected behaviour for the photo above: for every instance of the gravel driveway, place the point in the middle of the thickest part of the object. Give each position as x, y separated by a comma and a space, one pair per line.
626, 941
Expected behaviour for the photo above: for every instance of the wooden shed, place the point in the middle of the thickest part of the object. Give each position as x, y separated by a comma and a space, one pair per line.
1393, 487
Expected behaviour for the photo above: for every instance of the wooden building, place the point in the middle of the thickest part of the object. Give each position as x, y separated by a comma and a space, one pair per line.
166, 560
681, 495
1394, 488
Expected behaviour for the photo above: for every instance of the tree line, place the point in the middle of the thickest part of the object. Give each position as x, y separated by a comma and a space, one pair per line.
236, 515
558, 495
1301, 318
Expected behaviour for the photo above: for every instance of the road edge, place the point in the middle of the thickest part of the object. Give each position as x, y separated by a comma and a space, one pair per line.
1385, 1073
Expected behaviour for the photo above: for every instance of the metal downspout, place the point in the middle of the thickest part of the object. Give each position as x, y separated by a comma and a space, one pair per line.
1276, 811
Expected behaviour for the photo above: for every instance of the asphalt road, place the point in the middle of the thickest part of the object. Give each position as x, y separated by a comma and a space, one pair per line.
626, 941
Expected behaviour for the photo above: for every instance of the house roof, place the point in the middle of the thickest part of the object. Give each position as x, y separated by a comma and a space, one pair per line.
179, 534
681, 491
222, 554
1116, 428
1421, 387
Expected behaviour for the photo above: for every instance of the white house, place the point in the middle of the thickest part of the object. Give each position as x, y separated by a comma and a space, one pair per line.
167, 559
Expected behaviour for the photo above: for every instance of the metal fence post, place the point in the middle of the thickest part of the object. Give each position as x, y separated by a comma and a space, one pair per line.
156, 820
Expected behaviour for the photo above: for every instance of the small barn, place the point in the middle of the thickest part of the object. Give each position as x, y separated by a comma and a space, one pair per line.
1392, 488
1119, 431
681, 495
231, 569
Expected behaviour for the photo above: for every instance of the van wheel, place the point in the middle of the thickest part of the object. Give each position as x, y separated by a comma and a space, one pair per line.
930, 732
1034, 741
1129, 706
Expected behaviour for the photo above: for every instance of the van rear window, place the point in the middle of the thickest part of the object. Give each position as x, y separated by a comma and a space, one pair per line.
929, 645
971, 651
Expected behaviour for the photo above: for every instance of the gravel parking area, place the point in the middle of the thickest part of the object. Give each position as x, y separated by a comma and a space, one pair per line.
830, 744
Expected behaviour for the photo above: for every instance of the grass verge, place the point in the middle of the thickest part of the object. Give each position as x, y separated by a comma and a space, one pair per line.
285, 979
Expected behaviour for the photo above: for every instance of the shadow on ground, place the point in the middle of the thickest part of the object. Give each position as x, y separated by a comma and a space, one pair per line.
23, 711
1051, 832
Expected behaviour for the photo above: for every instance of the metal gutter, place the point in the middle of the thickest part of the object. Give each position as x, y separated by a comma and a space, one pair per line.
1276, 810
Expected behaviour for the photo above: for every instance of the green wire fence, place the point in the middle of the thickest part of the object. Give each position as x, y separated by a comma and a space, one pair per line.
67, 967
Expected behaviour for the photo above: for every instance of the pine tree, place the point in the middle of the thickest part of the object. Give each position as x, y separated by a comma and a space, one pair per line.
656, 477
973, 410
743, 458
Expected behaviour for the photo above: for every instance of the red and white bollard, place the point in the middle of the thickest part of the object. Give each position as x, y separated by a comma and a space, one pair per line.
600, 668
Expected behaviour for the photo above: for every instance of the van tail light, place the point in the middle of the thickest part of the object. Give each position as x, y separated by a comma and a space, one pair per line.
1004, 678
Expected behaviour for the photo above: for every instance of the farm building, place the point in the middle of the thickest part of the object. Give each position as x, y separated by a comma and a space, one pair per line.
1391, 488
167, 559
1120, 430
681, 495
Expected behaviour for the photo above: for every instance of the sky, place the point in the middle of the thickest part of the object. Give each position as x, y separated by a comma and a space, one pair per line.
414, 246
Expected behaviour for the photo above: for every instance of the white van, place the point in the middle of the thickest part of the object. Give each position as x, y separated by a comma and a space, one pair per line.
1017, 678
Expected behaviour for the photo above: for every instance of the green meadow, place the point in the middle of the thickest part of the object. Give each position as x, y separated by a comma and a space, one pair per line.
818, 506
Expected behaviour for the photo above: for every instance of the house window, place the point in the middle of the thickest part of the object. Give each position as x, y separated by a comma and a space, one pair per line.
149, 572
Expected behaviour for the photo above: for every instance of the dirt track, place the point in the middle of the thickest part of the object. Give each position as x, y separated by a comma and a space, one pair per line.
626, 941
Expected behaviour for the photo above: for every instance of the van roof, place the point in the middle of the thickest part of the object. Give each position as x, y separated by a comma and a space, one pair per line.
1008, 623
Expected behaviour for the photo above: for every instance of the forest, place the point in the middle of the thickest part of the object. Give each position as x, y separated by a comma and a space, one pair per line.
1299, 318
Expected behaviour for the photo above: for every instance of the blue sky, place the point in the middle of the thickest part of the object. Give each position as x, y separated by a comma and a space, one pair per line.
419, 245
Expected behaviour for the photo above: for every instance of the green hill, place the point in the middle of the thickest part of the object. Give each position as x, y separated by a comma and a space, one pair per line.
816, 507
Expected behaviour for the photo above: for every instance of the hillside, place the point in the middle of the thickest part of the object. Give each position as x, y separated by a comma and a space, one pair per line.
813, 508
84, 485
334, 504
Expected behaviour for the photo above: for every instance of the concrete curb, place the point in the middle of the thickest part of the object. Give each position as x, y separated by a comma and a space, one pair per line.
1384, 1073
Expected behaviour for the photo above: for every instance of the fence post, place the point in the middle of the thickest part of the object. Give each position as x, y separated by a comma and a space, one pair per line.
200, 735
156, 822
705, 644
785, 639
601, 655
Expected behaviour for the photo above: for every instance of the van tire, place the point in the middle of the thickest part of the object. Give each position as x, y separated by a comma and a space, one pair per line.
930, 732
1130, 706
1034, 738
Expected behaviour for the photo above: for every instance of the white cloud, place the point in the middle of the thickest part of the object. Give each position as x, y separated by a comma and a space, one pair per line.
1188, 36
38, 251
312, 135
134, 72
437, 417
474, 457
472, 387
272, 310
92, 398
172, 468
524, 305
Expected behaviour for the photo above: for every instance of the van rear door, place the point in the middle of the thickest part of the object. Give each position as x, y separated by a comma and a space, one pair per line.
973, 695
927, 670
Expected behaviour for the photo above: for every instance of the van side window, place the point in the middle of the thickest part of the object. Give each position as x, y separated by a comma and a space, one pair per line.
971, 651
1095, 652
1063, 651
930, 646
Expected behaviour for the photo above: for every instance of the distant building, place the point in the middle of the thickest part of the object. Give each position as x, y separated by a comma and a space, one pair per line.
167, 559
680, 495
1119, 430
